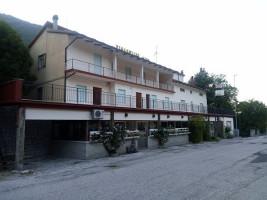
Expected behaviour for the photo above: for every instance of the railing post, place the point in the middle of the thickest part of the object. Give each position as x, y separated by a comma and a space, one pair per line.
88, 67
72, 63
77, 90
52, 95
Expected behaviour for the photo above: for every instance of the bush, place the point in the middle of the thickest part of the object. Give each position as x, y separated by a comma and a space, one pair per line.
215, 139
207, 133
111, 141
161, 135
221, 135
196, 128
229, 136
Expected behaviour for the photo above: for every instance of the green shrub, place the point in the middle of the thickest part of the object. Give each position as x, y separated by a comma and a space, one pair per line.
111, 141
227, 129
229, 136
215, 139
207, 133
196, 128
221, 135
162, 136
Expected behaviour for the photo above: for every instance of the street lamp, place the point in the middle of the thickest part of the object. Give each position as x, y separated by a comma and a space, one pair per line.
235, 106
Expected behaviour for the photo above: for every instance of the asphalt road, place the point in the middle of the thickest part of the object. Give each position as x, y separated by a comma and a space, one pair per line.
230, 169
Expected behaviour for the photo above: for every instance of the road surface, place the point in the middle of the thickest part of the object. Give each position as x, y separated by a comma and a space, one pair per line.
230, 169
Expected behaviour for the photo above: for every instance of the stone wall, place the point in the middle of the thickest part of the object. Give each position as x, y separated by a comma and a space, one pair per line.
8, 115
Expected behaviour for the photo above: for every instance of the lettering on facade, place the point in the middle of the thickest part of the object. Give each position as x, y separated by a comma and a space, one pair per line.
127, 50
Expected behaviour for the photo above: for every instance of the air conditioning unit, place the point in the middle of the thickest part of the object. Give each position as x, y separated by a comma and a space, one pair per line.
98, 114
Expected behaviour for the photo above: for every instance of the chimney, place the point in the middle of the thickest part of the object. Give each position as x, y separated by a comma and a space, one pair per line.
55, 18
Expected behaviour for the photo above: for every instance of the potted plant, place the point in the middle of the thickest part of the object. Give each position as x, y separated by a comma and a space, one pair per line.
162, 136
111, 138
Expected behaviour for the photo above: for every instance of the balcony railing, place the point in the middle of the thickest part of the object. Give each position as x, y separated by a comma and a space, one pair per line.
55, 93
107, 72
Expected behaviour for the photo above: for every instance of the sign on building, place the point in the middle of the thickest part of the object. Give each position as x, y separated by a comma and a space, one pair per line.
219, 92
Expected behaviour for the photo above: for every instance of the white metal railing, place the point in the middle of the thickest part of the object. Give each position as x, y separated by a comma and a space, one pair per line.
107, 72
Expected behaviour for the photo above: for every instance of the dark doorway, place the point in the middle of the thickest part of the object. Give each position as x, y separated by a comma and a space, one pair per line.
97, 95
147, 100
138, 100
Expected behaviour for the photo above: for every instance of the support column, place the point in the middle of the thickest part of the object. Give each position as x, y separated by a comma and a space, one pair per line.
159, 123
115, 66
142, 75
157, 79
20, 138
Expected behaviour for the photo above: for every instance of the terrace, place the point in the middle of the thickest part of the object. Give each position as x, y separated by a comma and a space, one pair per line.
100, 71
55, 93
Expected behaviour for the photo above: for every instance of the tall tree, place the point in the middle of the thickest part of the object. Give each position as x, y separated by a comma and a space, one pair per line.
252, 115
208, 82
15, 60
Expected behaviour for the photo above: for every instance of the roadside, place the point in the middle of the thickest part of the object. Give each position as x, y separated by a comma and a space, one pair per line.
229, 169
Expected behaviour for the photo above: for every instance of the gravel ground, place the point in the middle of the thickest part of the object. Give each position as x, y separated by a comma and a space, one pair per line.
230, 169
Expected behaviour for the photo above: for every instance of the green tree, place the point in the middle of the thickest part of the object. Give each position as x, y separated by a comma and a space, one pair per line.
197, 129
15, 60
208, 82
252, 115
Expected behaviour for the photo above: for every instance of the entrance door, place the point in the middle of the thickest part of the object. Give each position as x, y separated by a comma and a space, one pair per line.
97, 96
147, 100
138, 100
97, 64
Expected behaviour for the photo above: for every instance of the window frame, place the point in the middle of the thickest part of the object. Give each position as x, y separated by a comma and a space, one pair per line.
42, 61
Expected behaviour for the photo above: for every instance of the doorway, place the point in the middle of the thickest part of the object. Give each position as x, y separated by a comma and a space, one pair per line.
97, 95
138, 100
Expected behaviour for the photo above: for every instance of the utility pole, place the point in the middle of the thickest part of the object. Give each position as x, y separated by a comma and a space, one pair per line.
235, 103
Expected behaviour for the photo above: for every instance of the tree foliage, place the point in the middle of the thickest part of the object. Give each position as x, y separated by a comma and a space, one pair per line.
252, 115
208, 82
197, 129
15, 60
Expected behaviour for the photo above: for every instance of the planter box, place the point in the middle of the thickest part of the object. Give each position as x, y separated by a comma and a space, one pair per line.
85, 149
174, 140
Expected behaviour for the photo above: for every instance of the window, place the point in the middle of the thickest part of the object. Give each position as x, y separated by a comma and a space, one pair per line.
154, 101
167, 102
200, 94
182, 105
228, 123
81, 93
128, 72
121, 96
41, 61
201, 108
97, 64
182, 89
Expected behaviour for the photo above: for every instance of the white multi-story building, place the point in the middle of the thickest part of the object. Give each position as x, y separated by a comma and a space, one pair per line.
83, 84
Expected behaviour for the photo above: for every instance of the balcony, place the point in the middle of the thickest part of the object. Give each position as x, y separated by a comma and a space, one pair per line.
74, 64
55, 93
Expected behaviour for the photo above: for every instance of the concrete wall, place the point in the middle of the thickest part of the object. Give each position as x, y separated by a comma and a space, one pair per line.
53, 45
174, 140
83, 149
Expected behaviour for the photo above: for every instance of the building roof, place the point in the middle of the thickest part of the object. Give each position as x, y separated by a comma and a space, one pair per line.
98, 43
189, 85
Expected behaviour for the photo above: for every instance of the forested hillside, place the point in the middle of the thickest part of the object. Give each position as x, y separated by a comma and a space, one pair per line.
26, 30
